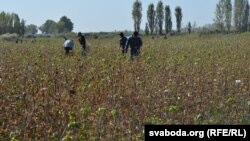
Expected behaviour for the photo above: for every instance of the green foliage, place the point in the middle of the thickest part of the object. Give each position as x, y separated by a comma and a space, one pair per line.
73, 125
64, 25
31, 29
114, 114
100, 112
86, 110
154, 120
172, 108
49, 27
230, 101
54, 136
199, 118
67, 138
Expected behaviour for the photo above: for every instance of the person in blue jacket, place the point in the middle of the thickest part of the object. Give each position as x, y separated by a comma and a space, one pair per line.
135, 44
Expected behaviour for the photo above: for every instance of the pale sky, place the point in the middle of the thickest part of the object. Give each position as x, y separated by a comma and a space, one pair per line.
104, 15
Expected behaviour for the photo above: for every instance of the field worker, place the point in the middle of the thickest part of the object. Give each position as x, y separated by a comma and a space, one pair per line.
135, 44
68, 45
82, 42
123, 41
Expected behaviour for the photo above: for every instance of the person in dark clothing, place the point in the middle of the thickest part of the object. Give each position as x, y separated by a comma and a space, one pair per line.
82, 42
135, 44
123, 41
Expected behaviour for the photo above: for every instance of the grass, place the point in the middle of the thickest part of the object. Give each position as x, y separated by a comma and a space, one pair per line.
45, 95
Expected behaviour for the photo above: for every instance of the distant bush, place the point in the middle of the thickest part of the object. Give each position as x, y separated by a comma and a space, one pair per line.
30, 36
206, 32
8, 37
95, 36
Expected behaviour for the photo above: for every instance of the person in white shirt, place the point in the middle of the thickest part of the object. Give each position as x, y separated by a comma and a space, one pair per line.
68, 45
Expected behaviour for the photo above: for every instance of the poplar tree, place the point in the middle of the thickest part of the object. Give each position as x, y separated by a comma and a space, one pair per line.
137, 14
146, 29
151, 18
220, 15
168, 19
238, 14
178, 15
160, 16
228, 14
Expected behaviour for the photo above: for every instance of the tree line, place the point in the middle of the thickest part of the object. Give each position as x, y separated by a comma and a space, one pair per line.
64, 25
224, 19
12, 23
228, 17
156, 17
